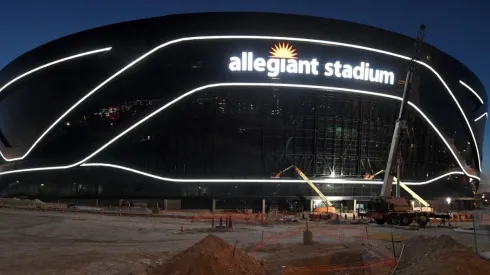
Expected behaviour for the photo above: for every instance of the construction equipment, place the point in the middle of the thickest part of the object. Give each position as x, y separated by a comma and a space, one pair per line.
400, 124
307, 180
393, 210
397, 210
368, 176
411, 192
402, 185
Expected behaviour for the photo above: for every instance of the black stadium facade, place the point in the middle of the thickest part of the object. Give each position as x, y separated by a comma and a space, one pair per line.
206, 107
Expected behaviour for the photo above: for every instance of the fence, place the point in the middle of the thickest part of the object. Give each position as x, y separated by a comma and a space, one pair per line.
329, 239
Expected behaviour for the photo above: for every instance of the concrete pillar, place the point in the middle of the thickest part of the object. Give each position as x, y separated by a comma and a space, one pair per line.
165, 204
213, 207
312, 205
307, 237
354, 210
263, 206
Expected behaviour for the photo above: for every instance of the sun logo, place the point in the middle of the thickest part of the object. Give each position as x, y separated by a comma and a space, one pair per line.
283, 50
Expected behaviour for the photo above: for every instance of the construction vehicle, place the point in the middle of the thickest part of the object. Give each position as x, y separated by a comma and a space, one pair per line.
386, 208
368, 176
329, 206
396, 210
391, 210
399, 210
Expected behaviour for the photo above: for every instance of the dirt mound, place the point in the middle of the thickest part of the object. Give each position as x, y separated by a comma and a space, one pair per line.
440, 255
211, 255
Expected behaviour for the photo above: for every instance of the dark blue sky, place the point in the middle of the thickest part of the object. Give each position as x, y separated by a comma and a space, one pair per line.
458, 27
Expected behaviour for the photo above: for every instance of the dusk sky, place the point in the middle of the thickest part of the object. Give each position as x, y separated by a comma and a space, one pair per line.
458, 27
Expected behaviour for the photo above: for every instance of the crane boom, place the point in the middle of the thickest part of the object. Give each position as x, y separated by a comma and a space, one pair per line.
302, 175
411, 192
404, 186
305, 178
401, 120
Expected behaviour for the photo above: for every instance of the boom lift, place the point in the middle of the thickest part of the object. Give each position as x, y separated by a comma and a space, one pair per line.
307, 180
402, 185
411, 192
368, 176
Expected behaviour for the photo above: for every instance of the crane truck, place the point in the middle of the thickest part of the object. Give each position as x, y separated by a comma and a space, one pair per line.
398, 210
386, 208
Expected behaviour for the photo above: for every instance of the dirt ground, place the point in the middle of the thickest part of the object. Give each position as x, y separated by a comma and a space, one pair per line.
424, 255
35, 242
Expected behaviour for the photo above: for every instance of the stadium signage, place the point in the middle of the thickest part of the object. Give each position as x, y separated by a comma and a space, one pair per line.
283, 59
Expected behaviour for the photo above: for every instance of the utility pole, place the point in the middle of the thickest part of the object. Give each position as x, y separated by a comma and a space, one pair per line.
400, 126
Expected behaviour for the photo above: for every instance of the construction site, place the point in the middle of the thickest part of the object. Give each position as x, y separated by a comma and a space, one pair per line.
255, 192
43, 239
390, 236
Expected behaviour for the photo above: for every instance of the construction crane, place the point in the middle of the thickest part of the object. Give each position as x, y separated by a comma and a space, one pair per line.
305, 178
397, 210
400, 125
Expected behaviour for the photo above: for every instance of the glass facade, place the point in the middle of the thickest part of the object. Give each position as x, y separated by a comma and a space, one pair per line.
197, 119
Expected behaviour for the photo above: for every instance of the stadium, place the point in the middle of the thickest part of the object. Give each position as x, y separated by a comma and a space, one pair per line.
203, 110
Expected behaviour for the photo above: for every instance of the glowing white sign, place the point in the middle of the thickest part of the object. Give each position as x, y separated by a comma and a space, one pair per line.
283, 60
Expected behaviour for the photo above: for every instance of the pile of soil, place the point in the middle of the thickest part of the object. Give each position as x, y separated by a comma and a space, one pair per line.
440, 255
212, 255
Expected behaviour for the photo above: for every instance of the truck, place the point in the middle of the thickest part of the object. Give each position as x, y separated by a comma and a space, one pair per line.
398, 210
393, 210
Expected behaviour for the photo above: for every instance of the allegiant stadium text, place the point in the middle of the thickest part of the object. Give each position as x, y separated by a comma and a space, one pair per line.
276, 66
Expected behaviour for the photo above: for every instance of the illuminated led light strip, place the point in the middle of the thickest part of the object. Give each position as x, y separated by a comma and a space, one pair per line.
480, 117
332, 181
223, 180
434, 179
443, 139
473, 91
38, 69
51, 64
220, 37
327, 88
460, 110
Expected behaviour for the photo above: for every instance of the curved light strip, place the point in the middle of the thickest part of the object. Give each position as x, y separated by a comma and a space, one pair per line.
442, 138
332, 181
253, 85
460, 110
480, 117
473, 91
217, 37
38, 69
51, 64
